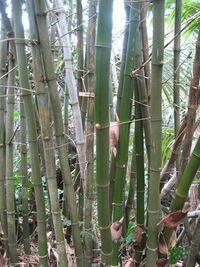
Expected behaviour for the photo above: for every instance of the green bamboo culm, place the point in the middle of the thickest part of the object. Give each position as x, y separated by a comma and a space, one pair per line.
156, 132
31, 131
45, 48
184, 185
176, 85
10, 200
3, 218
124, 116
43, 108
24, 175
102, 70
89, 188
139, 151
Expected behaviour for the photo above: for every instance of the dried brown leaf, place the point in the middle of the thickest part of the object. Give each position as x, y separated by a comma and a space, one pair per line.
114, 136
161, 262
162, 246
173, 239
173, 219
138, 234
116, 229
130, 263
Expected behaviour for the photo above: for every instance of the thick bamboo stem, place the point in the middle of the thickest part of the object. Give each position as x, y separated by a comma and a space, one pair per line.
10, 200
102, 76
3, 218
156, 132
89, 192
23, 151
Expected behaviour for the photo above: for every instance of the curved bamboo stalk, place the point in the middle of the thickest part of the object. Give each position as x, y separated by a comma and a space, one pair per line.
59, 128
193, 103
156, 132
184, 185
102, 70
71, 84
32, 134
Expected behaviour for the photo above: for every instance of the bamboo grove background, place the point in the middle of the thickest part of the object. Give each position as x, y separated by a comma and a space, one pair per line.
99, 144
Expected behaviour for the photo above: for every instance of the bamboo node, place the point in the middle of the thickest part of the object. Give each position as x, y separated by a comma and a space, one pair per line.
74, 223
179, 194
43, 256
11, 212
117, 204
51, 177
42, 221
152, 211
152, 249
194, 244
10, 177
103, 46
105, 228
197, 156
103, 185
60, 243
154, 170
37, 184
106, 254
121, 166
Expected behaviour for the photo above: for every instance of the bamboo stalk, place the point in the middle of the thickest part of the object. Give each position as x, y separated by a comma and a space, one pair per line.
3, 218
119, 96
195, 243
139, 152
156, 132
71, 83
43, 107
32, 135
124, 116
184, 185
10, 200
89, 193
193, 103
59, 128
176, 82
102, 70
145, 45
23, 151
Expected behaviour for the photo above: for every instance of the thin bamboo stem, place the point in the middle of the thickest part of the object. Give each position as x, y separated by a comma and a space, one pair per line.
32, 134
59, 128
3, 218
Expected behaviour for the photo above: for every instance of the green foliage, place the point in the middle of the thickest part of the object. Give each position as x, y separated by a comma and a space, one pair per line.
167, 140
177, 254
